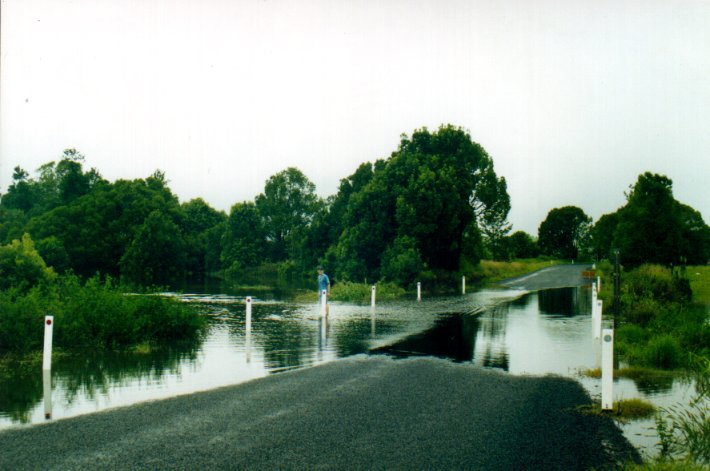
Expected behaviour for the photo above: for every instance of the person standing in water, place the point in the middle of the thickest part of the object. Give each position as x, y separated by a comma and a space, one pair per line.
323, 284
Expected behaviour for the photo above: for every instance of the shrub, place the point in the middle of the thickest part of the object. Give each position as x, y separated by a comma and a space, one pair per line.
642, 311
96, 315
663, 352
632, 334
349, 291
655, 282
401, 262
21, 266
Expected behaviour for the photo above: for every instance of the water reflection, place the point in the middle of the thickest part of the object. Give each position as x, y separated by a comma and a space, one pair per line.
86, 374
451, 337
538, 333
565, 302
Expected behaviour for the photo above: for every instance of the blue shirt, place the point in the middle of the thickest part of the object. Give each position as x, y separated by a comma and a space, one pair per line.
323, 282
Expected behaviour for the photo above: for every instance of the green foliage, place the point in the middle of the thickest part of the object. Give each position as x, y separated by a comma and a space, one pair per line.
438, 189
663, 351
157, 254
685, 431
97, 315
402, 263
21, 267
520, 245
289, 202
492, 271
660, 325
197, 221
653, 227
564, 233
361, 292
243, 241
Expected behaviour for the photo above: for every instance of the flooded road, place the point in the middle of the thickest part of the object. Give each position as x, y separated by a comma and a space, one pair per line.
538, 333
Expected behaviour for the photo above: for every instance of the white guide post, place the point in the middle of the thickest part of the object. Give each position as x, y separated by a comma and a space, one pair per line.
597, 319
248, 320
247, 345
373, 323
463, 285
419, 290
373, 295
324, 303
48, 330
323, 333
599, 284
607, 369
47, 392
594, 294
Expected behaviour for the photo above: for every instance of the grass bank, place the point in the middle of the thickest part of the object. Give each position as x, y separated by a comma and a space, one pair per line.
664, 315
95, 314
664, 323
355, 292
623, 411
491, 271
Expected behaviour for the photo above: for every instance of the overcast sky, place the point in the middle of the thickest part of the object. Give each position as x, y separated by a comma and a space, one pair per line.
572, 99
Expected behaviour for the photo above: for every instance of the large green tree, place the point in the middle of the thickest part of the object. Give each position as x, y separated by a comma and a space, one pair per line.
287, 205
564, 232
426, 203
655, 228
520, 244
156, 255
197, 219
95, 229
244, 238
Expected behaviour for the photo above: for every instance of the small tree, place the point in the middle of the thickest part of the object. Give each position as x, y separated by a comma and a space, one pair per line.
564, 232
21, 266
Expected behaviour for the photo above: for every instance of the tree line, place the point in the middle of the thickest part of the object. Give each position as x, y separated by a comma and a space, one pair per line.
434, 207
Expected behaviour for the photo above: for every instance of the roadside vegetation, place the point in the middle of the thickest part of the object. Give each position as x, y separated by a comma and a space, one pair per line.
91, 314
665, 325
624, 410
491, 271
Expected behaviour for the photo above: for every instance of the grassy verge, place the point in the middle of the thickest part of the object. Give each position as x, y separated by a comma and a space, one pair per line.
490, 271
624, 410
666, 466
639, 374
96, 314
699, 277
355, 292
661, 325
664, 323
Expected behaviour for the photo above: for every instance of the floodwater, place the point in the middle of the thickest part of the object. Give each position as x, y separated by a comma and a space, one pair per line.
547, 332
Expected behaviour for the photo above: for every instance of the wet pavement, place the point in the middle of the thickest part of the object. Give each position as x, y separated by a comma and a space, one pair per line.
357, 413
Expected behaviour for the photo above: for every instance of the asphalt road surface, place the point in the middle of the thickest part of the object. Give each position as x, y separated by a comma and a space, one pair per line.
358, 413
557, 276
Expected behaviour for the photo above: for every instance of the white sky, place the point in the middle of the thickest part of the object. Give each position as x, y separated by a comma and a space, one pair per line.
573, 99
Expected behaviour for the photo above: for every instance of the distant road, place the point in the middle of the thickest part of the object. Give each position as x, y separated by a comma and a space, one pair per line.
557, 276
357, 413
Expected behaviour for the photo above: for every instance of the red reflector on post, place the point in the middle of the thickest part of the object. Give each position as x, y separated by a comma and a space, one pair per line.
49, 321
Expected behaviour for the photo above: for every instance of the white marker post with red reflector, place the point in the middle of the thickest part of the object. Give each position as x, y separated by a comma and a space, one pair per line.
607, 369
47, 366
48, 329
324, 303
248, 315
